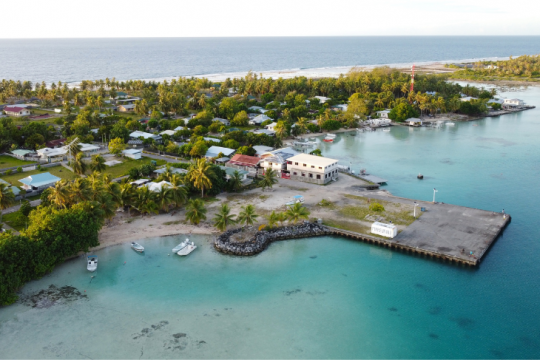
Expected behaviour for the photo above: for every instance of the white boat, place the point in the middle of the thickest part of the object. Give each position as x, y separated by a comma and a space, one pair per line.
180, 246
450, 123
137, 247
91, 263
188, 249
386, 130
331, 136
296, 199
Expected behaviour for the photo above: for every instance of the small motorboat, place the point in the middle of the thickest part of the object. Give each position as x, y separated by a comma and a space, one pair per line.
180, 246
91, 263
137, 247
188, 249
386, 130
420, 176
450, 124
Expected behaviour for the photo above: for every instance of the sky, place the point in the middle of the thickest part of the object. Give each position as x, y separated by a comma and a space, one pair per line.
234, 18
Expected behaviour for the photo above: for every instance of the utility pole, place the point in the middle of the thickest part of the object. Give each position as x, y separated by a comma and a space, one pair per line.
434, 191
412, 80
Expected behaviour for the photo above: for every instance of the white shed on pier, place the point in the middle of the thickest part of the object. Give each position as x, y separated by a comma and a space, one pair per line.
388, 230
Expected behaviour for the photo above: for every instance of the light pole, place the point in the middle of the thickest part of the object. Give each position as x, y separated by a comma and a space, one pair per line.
434, 191
415, 206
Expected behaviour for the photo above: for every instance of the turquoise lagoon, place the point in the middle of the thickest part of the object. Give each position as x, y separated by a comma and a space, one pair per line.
323, 297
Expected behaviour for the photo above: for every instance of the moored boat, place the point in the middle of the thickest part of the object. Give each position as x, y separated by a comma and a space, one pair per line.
450, 123
188, 249
137, 247
180, 246
91, 262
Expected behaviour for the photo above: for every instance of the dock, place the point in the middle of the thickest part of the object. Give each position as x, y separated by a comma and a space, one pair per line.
372, 178
451, 233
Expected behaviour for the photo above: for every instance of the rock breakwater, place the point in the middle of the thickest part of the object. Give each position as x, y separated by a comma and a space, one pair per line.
263, 238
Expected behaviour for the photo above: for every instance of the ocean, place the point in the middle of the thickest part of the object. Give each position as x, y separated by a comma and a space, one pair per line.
73, 60
323, 297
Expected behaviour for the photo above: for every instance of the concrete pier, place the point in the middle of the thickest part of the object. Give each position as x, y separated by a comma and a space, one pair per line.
444, 231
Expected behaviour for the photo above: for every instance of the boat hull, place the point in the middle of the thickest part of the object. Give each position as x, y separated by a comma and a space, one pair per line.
187, 250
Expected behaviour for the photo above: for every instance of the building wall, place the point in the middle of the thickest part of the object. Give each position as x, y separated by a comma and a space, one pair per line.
311, 176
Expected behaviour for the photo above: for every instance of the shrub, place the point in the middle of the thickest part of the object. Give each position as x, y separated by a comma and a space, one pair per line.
19, 169
25, 208
376, 207
38, 167
9, 172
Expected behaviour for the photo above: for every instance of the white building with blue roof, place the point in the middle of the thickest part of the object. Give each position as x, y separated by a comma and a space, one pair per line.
39, 181
214, 151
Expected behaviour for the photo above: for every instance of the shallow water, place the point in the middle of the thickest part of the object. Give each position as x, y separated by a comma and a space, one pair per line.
324, 297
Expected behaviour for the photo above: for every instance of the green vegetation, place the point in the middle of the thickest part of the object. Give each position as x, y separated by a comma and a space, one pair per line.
268, 180
523, 68
348, 225
247, 215
59, 171
196, 211
122, 169
223, 218
376, 207
8, 161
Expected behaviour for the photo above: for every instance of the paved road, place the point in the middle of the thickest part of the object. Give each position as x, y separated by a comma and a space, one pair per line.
17, 207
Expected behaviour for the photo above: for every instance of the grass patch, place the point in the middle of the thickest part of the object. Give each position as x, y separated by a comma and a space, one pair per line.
174, 222
348, 225
127, 164
59, 171
243, 197
8, 161
296, 188
403, 217
206, 199
16, 220
263, 197
326, 204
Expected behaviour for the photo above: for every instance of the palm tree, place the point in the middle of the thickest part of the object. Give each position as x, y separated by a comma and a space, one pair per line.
301, 125
179, 192
297, 212
199, 173
98, 163
164, 198
107, 205
126, 195
269, 179
99, 102
280, 129
247, 215
7, 198
273, 219
224, 218
196, 211
79, 166
281, 218
78, 191
59, 194
141, 107
235, 181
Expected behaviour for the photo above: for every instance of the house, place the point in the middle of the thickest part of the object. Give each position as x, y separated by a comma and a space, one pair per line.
495, 101
212, 139
214, 151
468, 98
247, 163
232, 91
140, 182
39, 181
167, 132
414, 122
261, 149
128, 101
121, 95
126, 108
271, 126
312, 169
258, 120
383, 114
265, 132
340, 107
243, 175
156, 187
87, 149
133, 153
22, 154
141, 134
322, 99
432, 93
387, 230
223, 121
15, 190
52, 155
513, 103
277, 159
378, 122
172, 169
258, 109
178, 128
16, 111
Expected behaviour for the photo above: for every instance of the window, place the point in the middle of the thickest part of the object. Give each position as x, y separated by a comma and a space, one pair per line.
320, 167
303, 174
270, 164
304, 165
294, 173
295, 163
311, 175
318, 177
325, 176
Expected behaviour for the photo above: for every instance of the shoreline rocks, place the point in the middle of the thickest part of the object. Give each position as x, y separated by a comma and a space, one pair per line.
260, 241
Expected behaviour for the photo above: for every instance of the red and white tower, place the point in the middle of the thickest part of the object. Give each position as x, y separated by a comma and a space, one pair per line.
412, 80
